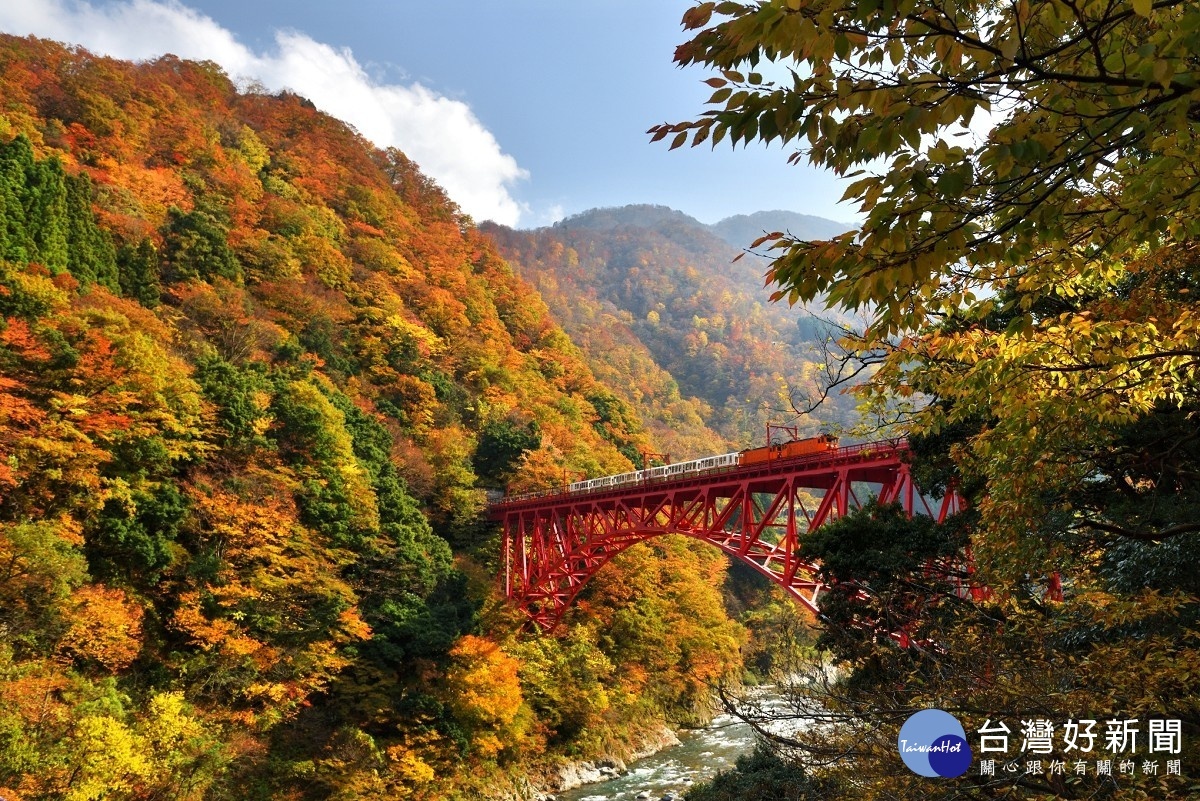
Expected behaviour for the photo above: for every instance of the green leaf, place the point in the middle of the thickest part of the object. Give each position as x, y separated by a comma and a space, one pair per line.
841, 46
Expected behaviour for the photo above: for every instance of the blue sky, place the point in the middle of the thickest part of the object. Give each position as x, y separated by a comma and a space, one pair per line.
524, 110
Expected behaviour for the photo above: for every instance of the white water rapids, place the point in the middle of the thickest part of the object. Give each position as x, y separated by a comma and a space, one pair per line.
701, 754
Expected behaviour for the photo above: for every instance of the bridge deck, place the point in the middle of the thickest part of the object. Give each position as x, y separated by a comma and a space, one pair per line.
816, 465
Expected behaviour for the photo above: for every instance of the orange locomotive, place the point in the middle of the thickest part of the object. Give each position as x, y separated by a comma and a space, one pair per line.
788, 450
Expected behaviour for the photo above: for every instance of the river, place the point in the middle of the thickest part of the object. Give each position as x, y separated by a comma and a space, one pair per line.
701, 754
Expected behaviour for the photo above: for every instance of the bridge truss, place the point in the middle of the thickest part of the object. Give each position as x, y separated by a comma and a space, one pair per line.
554, 542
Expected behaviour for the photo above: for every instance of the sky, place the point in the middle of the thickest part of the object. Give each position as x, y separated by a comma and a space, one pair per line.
524, 111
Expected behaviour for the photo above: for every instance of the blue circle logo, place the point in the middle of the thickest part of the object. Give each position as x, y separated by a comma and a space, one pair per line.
933, 743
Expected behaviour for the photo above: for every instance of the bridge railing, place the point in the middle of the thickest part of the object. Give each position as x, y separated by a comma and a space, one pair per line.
844, 454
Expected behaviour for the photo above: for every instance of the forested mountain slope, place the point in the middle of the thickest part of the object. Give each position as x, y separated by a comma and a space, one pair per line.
704, 337
255, 376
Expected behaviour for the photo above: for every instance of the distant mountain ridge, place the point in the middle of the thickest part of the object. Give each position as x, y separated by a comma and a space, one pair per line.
739, 230
742, 229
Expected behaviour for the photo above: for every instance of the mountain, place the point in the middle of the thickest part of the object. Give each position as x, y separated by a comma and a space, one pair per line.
654, 295
742, 229
256, 377
642, 215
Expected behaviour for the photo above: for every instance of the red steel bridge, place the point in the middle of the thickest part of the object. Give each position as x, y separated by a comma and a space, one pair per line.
556, 540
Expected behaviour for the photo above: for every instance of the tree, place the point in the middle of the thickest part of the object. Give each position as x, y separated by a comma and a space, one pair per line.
485, 694
197, 246
1039, 272
1083, 180
90, 253
760, 776
1087, 158
106, 628
501, 444
138, 272
46, 217
1028, 266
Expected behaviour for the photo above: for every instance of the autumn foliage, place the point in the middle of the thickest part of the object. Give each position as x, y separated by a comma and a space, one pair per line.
677, 326
256, 376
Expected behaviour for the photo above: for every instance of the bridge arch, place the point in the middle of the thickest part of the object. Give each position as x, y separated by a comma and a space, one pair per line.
555, 542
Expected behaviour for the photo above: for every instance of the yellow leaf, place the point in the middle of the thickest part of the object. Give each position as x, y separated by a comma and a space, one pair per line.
1163, 72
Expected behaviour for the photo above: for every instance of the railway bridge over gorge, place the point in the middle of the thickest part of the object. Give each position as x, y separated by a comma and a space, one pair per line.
757, 510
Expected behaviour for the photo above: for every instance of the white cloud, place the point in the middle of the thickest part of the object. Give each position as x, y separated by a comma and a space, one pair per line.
440, 134
548, 215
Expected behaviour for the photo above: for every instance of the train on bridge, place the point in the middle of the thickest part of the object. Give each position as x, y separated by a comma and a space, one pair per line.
792, 449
